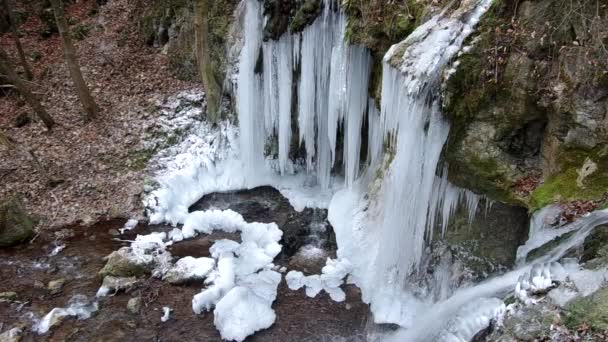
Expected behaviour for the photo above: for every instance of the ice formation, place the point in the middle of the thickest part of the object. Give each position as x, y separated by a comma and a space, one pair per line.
243, 286
435, 321
331, 278
188, 269
384, 236
78, 306
166, 314
129, 225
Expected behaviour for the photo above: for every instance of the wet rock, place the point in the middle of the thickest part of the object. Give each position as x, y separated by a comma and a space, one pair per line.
134, 305
528, 323
16, 225
12, 335
8, 296
479, 246
39, 285
115, 284
123, 263
55, 286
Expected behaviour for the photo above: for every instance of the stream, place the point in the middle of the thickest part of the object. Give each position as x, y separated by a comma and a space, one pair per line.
27, 269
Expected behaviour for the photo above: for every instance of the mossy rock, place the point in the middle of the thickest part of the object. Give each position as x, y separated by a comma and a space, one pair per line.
591, 311
123, 263
306, 14
569, 183
16, 226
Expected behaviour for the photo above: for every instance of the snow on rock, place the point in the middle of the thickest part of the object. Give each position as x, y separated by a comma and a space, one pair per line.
129, 225
332, 277
78, 306
166, 314
189, 268
115, 284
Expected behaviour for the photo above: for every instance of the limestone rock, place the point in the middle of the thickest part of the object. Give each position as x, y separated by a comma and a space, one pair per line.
56, 286
16, 225
11, 335
134, 305
8, 296
123, 263
115, 284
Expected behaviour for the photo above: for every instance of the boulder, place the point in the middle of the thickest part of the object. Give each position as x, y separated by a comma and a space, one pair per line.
591, 311
134, 305
123, 263
115, 284
16, 225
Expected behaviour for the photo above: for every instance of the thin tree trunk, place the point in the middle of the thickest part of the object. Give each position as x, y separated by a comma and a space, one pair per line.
13, 25
205, 68
89, 105
7, 69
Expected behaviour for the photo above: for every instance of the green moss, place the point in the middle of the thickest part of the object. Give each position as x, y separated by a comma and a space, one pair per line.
591, 311
380, 24
305, 15
563, 187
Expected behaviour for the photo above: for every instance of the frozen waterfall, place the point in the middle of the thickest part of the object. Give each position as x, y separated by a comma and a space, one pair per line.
388, 210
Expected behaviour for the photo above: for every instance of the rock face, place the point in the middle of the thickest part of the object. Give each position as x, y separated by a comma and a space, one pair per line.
473, 251
528, 105
15, 224
169, 25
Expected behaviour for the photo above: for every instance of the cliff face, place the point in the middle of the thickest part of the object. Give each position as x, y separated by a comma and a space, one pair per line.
528, 100
528, 104
169, 26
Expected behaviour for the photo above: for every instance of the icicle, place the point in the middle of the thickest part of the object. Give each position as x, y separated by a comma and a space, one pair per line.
249, 98
278, 74
374, 135
358, 78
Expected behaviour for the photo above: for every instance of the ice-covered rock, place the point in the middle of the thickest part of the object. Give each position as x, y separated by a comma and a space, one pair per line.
330, 280
129, 225
188, 269
78, 306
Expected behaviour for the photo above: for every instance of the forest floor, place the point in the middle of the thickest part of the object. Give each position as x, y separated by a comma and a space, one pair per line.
95, 170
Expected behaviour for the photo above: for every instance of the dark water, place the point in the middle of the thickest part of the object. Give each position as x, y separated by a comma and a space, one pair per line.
299, 318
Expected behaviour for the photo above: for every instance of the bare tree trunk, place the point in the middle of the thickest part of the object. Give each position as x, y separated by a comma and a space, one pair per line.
89, 105
7, 69
205, 68
13, 25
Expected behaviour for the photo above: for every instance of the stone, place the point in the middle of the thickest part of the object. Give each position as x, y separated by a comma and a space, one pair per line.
16, 226
55, 286
39, 285
591, 311
11, 335
134, 305
8, 296
122, 263
115, 284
